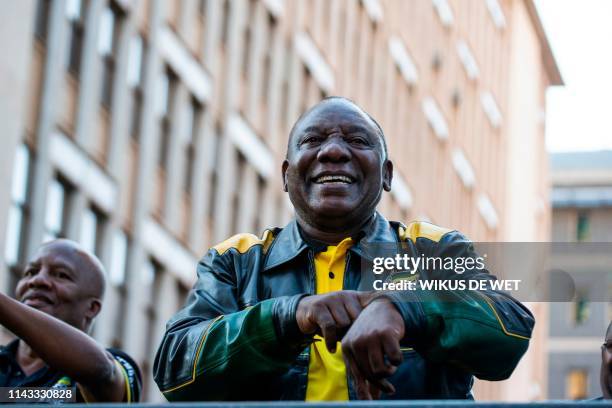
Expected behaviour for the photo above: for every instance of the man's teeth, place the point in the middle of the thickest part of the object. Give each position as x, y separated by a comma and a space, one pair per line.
334, 179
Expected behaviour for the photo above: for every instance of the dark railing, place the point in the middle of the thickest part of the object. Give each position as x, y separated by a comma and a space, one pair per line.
361, 404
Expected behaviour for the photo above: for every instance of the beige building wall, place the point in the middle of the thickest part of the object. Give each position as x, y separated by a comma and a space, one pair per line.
527, 215
581, 198
15, 41
153, 129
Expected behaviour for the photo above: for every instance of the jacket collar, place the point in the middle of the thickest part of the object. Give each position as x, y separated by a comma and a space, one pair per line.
378, 231
289, 242
287, 245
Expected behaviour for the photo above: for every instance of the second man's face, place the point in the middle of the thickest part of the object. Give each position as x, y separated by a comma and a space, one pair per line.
53, 283
335, 168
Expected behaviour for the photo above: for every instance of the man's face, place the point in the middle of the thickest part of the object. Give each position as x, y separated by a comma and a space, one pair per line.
335, 168
57, 282
606, 365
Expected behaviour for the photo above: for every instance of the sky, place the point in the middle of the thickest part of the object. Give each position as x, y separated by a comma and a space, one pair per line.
579, 115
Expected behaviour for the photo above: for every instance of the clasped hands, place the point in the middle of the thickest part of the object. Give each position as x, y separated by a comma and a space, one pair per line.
370, 347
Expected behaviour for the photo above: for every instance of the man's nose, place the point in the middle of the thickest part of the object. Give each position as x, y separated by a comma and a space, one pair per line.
335, 150
40, 280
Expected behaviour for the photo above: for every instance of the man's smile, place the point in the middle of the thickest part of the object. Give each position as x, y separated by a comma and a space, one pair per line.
37, 300
334, 179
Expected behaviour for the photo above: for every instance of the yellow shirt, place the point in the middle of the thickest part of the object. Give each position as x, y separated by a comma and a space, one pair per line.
327, 372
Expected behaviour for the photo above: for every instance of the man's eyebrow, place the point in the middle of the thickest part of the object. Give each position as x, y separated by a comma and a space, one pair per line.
61, 264
311, 128
357, 128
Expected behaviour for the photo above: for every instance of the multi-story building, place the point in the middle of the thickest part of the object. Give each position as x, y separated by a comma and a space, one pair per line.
582, 212
149, 130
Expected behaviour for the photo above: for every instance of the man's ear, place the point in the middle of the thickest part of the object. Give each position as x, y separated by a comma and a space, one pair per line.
284, 171
94, 308
387, 175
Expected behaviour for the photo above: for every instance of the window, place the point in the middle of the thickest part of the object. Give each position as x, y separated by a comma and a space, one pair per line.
118, 258
91, 230
107, 48
402, 59
576, 384
183, 292
151, 274
18, 210
225, 20
284, 97
306, 84
42, 19
136, 115
214, 169
267, 63
135, 61
76, 16
464, 169
491, 109
374, 10
497, 14
583, 227
580, 308
167, 87
248, 39
134, 81
202, 7
55, 214
444, 12
261, 188
193, 116
435, 117
468, 60
150, 271
241, 164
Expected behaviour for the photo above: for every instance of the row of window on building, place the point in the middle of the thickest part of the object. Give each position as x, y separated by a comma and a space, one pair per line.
110, 24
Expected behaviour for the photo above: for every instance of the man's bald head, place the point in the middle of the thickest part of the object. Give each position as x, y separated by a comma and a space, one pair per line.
87, 263
64, 280
341, 100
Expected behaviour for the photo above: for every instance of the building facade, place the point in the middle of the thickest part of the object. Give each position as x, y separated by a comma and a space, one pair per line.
582, 212
150, 130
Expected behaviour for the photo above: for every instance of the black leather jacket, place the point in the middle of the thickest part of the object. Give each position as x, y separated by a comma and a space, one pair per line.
237, 337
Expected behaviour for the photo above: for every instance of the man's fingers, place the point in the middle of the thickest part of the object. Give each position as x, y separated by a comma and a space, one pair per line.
353, 307
392, 350
361, 385
379, 368
340, 315
375, 392
383, 385
327, 324
363, 390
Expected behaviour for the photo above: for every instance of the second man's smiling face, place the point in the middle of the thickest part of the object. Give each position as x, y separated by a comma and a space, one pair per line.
336, 167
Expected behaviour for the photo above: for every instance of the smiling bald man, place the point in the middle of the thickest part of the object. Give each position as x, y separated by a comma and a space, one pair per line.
287, 315
59, 295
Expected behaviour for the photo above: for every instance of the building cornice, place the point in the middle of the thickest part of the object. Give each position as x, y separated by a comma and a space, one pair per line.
550, 63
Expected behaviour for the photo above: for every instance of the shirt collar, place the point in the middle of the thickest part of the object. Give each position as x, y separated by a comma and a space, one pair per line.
9, 351
291, 242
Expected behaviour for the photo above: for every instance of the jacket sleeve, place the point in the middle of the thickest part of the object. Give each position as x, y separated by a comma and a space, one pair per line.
484, 332
211, 346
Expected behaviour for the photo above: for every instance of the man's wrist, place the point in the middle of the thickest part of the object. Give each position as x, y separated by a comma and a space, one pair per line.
408, 304
285, 321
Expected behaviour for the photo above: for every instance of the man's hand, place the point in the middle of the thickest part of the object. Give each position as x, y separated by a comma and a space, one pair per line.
371, 348
329, 313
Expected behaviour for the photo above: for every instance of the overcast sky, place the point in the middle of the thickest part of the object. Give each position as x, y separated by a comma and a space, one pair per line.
579, 115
